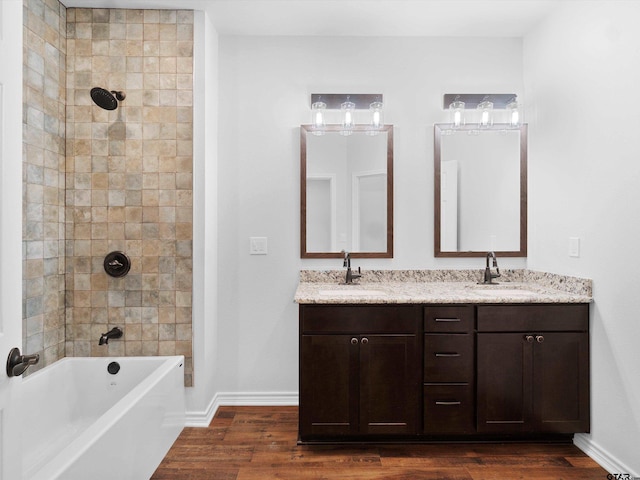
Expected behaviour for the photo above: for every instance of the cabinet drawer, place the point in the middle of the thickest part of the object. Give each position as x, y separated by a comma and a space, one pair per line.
448, 319
359, 318
448, 357
532, 318
448, 409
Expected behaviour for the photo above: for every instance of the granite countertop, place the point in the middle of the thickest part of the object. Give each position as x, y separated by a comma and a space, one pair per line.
440, 287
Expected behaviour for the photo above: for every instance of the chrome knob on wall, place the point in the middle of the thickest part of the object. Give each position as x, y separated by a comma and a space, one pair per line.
17, 363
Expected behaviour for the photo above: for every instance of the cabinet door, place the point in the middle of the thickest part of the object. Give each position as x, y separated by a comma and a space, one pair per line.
535, 386
561, 382
504, 395
390, 380
329, 385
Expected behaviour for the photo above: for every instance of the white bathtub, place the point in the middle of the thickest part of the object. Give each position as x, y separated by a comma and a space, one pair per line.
81, 422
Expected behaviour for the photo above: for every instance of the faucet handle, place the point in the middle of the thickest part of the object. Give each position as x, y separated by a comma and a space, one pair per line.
17, 363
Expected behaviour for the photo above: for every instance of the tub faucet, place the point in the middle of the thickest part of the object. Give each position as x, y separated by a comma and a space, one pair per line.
115, 332
350, 277
488, 276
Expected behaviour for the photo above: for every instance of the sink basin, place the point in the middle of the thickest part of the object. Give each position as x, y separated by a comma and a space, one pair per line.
352, 292
507, 292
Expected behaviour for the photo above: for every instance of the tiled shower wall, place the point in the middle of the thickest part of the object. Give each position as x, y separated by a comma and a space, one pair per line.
123, 181
129, 181
44, 96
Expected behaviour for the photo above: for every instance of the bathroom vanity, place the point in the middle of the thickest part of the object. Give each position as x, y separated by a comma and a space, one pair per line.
429, 361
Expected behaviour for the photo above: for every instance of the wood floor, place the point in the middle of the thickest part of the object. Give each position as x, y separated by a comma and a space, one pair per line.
247, 443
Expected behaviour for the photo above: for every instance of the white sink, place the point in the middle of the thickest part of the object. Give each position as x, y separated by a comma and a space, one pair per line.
352, 293
507, 292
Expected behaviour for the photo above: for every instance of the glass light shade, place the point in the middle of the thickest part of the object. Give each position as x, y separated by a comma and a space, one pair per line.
457, 113
377, 119
318, 118
348, 117
513, 114
377, 115
486, 113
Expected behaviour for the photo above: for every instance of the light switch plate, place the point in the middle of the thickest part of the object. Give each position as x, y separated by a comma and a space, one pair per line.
574, 246
257, 245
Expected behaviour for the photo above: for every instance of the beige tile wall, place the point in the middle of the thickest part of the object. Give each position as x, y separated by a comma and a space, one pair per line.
44, 97
129, 181
123, 181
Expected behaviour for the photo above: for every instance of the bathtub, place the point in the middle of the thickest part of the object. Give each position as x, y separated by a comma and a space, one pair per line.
82, 422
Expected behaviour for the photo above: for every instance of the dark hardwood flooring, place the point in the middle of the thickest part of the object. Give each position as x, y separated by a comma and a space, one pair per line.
246, 443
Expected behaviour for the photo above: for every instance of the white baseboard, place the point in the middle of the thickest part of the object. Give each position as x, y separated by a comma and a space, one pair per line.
203, 418
602, 457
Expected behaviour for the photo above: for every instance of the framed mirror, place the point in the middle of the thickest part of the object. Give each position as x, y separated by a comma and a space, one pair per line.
346, 193
480, 191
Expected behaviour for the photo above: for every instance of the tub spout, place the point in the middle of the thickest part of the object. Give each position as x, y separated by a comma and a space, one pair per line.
115, 332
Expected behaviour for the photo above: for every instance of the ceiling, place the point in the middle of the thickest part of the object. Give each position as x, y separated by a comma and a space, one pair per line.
484, 18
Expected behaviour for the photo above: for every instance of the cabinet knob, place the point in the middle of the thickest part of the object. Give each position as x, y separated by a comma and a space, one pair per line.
539, 338
529, 338
365, 340
354, 341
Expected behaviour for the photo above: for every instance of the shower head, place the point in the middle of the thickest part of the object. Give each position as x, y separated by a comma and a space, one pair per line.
107, 99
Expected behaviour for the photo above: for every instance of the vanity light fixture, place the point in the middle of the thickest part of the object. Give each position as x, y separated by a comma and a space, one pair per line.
485, 105
347, 104
317, 118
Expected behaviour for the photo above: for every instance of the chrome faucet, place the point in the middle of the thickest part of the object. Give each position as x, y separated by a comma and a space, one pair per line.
115, 332
350, 277
488, 276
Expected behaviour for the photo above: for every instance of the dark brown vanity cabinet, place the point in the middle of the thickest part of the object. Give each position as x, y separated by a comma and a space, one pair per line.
359, 371
449, 370
533, 369
429, 372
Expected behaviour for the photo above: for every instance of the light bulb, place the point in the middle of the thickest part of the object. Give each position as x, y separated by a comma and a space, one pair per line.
317, 118
457, 113
513, 110
348, 109
486, 113
376, 115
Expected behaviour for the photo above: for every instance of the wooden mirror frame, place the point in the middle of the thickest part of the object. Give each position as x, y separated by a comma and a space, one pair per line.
522, 252
306, 129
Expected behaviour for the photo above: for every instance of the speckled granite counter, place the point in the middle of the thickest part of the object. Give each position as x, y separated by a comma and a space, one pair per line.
440, 287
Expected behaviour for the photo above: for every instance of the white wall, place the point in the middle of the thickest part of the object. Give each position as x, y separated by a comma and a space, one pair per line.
581, 66
265, 87
205, 222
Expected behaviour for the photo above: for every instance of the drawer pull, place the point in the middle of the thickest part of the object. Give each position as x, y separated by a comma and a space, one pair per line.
447, 354
447, 319
448, 403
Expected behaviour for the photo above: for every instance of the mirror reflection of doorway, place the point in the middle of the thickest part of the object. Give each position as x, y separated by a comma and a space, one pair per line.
321, 213
369, 211
449, 206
